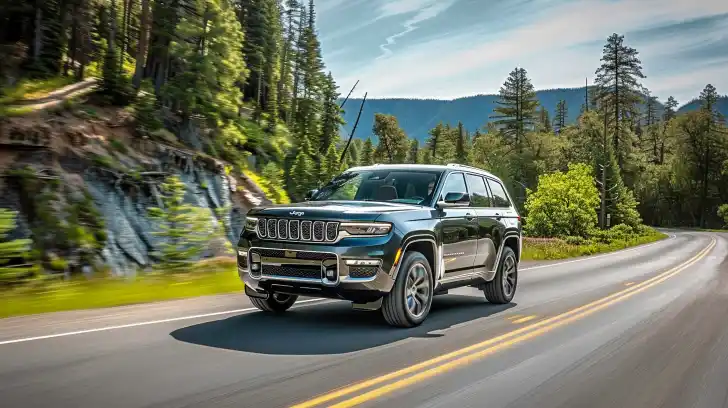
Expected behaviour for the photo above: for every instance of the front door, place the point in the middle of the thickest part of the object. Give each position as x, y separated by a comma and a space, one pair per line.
459, 230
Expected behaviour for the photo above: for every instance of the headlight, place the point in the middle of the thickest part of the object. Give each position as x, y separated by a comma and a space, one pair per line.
365, 228
251, 223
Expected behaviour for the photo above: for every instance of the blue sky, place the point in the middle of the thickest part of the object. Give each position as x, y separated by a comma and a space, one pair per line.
452, 48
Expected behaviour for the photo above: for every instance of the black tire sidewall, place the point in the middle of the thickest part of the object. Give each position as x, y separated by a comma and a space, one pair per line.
411, 258
507, 252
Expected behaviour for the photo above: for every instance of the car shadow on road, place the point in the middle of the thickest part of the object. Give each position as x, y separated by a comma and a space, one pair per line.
330, 328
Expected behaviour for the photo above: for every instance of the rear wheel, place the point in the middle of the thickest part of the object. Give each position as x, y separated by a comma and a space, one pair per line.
503, 287
409, 301
276, 302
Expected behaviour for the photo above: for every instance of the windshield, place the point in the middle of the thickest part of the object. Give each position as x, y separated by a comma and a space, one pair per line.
400, 186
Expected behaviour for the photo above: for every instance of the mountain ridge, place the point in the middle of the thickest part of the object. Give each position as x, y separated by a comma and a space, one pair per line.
417, 116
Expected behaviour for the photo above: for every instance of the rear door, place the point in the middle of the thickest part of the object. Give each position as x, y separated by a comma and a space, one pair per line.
488, 227
502, 210
459, 229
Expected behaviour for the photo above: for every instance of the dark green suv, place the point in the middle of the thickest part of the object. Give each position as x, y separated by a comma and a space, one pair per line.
386, 237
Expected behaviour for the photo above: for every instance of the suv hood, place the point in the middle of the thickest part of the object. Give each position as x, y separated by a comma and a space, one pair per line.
333, 210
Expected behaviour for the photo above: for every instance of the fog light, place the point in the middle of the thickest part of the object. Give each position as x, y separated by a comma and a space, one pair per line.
255, 267
331, 274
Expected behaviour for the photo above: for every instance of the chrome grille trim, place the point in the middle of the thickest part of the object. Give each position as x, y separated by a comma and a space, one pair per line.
272, 230
306, 227
320, 227
262, 228
282, 229
293, 230
331, 231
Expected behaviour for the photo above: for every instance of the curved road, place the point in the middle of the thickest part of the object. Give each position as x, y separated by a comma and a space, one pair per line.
645, 327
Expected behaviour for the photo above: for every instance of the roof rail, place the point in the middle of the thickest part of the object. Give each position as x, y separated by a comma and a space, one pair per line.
463, 165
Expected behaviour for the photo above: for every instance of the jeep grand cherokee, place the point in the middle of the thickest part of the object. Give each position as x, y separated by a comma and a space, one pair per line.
385, 237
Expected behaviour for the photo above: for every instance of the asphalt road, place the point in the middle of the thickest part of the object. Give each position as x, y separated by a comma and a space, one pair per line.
646, 327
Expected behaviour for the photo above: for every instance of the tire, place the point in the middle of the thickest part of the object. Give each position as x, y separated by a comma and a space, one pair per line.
503, 287
415, 268
276, 302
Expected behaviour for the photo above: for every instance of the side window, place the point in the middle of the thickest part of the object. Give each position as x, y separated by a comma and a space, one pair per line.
455, 183
478, 193
499, 194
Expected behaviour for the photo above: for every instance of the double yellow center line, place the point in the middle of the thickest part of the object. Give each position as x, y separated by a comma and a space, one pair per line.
467, 355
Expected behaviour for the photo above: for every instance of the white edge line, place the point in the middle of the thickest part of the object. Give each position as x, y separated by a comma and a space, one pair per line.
125, 326
589, 258
250, 309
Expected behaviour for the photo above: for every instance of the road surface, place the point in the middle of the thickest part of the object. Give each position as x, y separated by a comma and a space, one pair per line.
646, 327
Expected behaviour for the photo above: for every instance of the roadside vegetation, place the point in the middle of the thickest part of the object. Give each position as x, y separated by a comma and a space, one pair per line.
211, 277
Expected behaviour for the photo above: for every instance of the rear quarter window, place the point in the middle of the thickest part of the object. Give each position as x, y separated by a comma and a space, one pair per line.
500, 198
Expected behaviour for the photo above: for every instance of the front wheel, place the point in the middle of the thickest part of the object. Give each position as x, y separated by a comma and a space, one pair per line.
409, 301
276, 302
503, 287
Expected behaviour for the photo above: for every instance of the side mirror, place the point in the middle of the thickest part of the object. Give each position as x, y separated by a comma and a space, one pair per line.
310, 194
454, 200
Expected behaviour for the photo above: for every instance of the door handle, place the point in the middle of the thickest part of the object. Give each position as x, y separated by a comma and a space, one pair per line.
469, 216
497, 216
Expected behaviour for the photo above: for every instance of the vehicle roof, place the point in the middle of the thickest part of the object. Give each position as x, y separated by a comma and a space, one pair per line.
437, 167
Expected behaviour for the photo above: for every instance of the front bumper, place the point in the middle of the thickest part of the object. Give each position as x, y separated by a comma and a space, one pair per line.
358, 273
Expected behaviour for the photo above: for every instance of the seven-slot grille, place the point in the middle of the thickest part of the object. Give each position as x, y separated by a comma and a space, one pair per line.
296, 230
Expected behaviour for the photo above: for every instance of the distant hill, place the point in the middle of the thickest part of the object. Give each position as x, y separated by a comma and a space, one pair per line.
418, 116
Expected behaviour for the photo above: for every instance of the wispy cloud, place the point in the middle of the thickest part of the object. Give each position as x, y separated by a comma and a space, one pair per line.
425, 10
559, 42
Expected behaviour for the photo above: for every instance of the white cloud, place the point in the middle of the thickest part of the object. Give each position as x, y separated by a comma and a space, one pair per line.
478, 61
426, 9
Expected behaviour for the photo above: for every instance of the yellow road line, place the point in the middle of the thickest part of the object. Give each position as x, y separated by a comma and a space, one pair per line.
514, 317
480, 354
538, 327
629, 284
524, 319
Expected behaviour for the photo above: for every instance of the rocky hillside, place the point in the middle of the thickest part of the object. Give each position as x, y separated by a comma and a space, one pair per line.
82, 182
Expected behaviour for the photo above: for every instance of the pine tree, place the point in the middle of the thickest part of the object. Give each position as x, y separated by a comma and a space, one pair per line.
413, 155
330, 166
392, 147
302, 176
670, 109
367, 153
651, 117
545, 121
253, 17
461, 145
516, 113
184, 227
209, 63
288, 58
436, 137
331, 121
272, 52
307, 123
618, 87
561, 116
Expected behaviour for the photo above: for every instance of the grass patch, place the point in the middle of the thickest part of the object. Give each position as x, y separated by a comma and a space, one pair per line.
210, 278
536, 249
14, 111
33, 89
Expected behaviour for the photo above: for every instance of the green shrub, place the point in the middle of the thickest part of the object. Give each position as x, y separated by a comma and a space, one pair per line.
563, 204
723, 212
